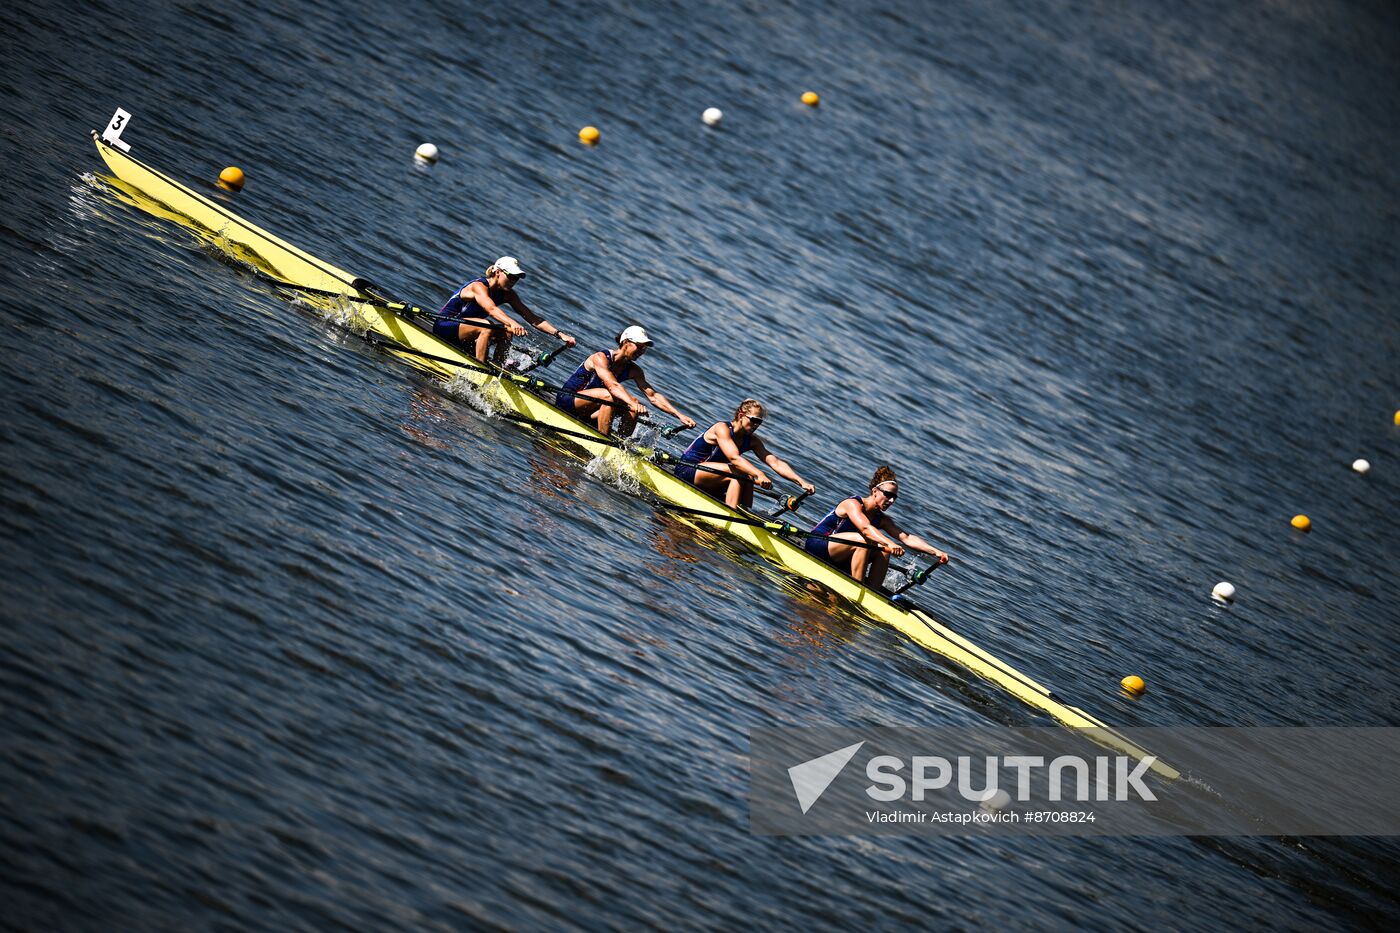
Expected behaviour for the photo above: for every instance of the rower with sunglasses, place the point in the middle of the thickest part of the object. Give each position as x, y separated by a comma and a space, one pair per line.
473, 319
864, 520
715, 459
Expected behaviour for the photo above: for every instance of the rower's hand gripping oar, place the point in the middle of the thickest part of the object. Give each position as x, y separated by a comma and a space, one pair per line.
791, 503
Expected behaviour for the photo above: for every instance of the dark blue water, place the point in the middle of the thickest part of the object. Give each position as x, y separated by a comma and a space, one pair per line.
291, 638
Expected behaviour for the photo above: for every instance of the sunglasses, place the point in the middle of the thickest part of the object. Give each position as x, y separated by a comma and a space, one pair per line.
891, 496
754, 422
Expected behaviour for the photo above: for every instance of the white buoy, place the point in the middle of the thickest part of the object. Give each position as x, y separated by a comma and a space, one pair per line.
1361, 466
998, 801
1224, 592
427, 152
712, 116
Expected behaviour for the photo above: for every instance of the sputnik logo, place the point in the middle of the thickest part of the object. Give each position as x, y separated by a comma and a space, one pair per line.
810, 779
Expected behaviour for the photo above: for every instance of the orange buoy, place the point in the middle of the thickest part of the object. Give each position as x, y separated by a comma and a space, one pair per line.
232, 178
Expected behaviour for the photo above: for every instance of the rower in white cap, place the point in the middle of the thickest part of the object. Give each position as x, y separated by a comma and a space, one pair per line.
467, 317
595, 389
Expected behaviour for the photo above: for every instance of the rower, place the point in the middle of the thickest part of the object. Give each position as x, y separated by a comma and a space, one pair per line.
599, 379
719, 452
862, 520
473, 318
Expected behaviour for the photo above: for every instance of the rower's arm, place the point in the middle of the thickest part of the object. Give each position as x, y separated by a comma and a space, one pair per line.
779, 465
478, 293
864, 525
537, 322
659, 400
915, 543
724, 440
610, 382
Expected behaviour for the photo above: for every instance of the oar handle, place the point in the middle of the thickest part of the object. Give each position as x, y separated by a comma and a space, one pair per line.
791, 503
547, 357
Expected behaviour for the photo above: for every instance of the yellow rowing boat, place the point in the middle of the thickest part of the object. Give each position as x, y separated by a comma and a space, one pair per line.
393, 324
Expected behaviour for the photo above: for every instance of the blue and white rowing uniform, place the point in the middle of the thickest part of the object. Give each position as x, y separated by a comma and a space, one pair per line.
583, 378
459, 310
832, 524
702, 451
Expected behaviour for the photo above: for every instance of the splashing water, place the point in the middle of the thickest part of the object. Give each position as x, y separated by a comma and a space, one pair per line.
516, 359
478, 397
644, 435
345, 313
615, 468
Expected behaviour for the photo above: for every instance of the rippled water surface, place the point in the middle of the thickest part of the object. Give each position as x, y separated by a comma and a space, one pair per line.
292, 637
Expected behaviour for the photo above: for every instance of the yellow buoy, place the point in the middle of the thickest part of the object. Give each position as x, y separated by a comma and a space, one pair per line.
232, 178
1397, 417
1302, 523
811, 99
1134, 685
588, 135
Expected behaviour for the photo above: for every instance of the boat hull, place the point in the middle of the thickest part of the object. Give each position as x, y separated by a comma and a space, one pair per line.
290, 264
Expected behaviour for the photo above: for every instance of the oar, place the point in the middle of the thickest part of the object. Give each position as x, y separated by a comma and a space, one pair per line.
782, 528
388, 343
662, 458
643, 418
380, 297
790, 504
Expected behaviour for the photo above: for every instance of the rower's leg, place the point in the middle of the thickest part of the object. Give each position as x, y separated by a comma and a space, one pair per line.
473, 339
859, 560
588, 405
502, 345
713, 479
842, 553
745, 492
718, 479
878, 564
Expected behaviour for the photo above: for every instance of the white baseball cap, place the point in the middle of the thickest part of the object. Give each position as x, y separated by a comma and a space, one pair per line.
509, 265
634, 334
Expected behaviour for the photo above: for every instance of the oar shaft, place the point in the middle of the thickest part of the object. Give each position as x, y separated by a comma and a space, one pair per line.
782, 528
544, 359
